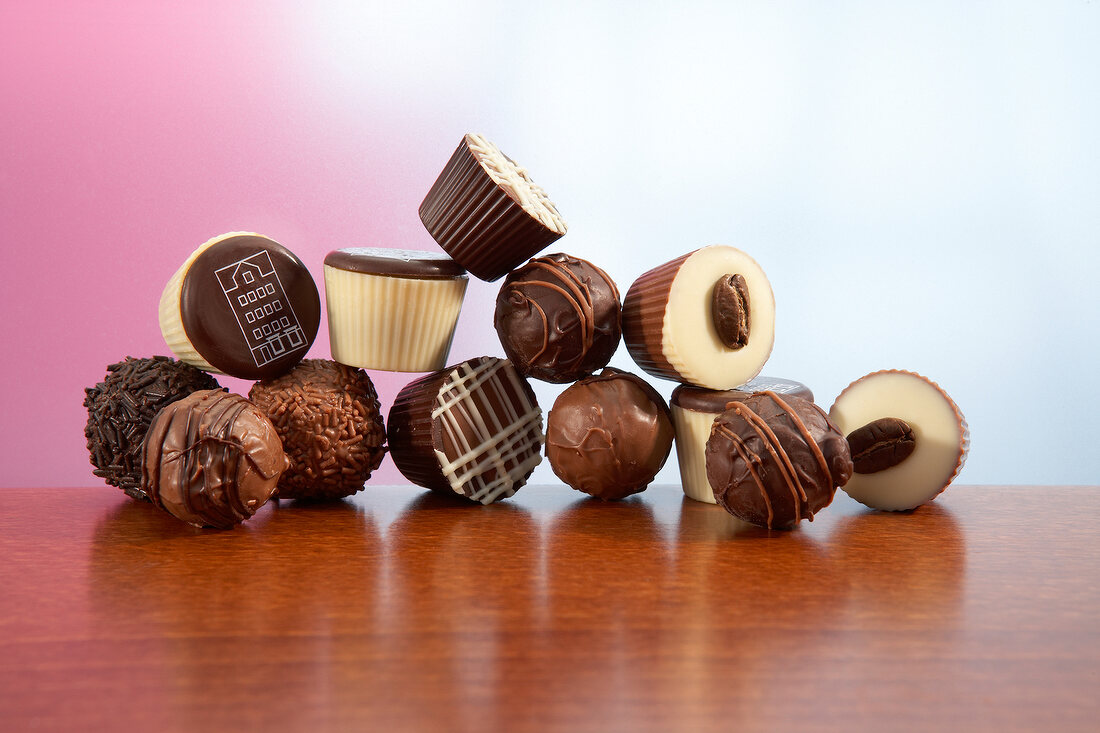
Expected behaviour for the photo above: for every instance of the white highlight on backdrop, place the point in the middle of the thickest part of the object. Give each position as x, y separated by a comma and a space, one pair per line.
920, 181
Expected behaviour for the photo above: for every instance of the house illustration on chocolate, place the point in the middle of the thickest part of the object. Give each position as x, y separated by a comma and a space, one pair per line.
263, 310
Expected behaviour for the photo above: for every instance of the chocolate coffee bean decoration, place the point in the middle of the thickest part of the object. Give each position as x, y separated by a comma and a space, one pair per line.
730, 310
881, 444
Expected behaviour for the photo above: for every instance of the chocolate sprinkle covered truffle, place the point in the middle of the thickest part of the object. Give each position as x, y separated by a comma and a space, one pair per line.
609, 435
558, 318
774, 461
329, 420
211, 459
121, 407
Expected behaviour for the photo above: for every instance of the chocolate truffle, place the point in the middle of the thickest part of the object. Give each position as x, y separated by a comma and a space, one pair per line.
706, 318
907, 437
609, 435
473, 429
211, 459
121, 407
487, 213
392, 309
558, 318
693, 413
774, 461
328, 418
243, 305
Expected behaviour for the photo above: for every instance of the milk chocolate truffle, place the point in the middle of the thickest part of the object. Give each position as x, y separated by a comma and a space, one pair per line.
609, 435
211, 459
473, 429
330, 423
487, 213
392, 309
243, 305
706, 318
774, 461
558, 318
121, 407
693, 413
907, 436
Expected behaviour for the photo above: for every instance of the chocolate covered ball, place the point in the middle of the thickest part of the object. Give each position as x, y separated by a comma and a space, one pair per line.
558, 318
121, 407
211, 459
609, 435
775, 460
329, 420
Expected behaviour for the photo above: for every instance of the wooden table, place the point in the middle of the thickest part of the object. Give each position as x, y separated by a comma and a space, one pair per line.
402, 610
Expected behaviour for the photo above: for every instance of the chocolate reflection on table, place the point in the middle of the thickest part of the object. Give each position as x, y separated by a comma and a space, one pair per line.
907, 568
459, 577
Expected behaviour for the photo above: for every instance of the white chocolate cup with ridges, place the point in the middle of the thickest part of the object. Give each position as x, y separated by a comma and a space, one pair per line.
171, 320
389, 322
941, 436
692, 431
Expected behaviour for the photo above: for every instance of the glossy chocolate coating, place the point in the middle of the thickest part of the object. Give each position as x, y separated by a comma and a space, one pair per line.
775, 460
395, 262
609, 435
330, 423
698, 399
211, 459
249, 307
558, 318
121, 407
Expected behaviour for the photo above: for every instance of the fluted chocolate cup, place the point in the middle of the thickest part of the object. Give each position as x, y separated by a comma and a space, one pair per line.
473, 429
693, 412
487, 213
706, 318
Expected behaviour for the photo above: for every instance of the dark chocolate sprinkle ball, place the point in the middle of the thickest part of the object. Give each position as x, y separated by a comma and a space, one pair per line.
121, 407
328, 417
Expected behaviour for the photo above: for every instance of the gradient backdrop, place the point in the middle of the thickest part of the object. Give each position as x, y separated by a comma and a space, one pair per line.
921, 181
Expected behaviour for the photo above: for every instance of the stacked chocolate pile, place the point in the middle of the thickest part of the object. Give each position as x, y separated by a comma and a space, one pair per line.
243, 305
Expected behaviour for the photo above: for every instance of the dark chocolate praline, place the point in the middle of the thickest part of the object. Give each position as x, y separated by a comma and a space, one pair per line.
558, 318
609, 435
775, 460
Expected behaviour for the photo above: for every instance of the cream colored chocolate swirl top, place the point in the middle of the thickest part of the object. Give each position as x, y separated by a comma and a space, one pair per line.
490, 430
516, 182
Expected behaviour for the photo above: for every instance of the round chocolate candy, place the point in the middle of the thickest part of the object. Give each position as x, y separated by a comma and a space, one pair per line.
121, 407
211, 459
609, 435
558, 318
774, 461
706, 318
330, 423
693, 413
907, 436
243, 305
487, 213
473, 429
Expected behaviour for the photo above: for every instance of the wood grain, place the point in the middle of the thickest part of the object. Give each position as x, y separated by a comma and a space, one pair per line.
402, 610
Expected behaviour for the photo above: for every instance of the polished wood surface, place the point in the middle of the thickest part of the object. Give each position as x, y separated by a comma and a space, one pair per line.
402, 610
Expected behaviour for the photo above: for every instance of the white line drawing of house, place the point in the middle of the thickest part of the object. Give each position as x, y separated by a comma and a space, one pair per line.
263, 311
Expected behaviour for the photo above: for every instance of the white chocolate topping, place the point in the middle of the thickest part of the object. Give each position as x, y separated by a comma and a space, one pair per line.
516, 182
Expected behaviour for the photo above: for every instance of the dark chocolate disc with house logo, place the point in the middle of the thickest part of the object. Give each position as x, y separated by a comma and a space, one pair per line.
249, 307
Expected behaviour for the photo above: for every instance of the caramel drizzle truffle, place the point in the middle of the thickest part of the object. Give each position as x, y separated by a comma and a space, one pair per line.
211, 459
487, 213
558, 318
775, 461
474, 429
907, 436
330, 423
706, 318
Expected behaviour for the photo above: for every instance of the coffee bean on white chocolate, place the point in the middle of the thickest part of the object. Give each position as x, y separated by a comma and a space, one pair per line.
907, 437
706, 318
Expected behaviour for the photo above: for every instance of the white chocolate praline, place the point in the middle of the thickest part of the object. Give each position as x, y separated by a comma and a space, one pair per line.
515, 180
392, 323
941, 435
500, 439
692, 431
690, 340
